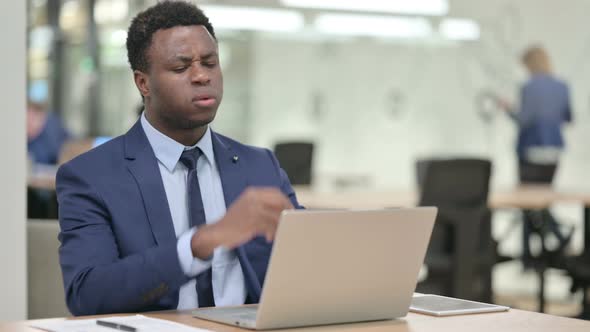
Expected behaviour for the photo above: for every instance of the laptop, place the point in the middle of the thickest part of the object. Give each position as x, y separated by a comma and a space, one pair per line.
332, 267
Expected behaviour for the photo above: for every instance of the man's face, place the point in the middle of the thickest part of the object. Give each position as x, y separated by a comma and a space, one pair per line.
184, 85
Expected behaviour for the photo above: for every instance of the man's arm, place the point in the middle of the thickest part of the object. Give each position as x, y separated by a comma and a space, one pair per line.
96, 279
256, 212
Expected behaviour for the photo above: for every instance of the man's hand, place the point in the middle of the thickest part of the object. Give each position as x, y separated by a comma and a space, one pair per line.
256, 212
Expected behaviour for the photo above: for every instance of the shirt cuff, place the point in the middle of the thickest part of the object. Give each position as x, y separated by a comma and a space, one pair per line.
191, 266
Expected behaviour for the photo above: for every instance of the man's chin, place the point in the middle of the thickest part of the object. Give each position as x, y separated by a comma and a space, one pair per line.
188, 121
190, 124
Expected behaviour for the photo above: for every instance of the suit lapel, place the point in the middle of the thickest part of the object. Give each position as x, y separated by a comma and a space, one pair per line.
230, 168
143, 165
233, 181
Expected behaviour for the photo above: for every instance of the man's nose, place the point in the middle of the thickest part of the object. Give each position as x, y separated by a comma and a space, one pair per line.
199, 74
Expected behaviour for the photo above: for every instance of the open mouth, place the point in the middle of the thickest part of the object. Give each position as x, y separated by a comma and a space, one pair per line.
205, 101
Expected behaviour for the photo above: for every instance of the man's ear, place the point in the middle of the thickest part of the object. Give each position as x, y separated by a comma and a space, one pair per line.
142, 82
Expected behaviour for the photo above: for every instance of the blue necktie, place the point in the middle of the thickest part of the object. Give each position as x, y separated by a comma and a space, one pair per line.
196, 216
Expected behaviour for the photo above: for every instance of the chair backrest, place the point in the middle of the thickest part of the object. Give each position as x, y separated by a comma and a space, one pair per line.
461, 235
457, 183
296, 159
46, 296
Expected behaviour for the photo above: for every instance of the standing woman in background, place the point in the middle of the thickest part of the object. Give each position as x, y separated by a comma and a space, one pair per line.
544, 107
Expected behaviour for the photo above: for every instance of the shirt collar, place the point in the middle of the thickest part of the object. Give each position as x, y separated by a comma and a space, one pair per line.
168, 151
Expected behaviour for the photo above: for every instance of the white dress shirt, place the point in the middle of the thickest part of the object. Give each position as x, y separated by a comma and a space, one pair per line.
228, 280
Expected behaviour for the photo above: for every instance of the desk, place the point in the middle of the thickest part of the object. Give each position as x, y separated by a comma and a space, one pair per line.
41, 182
523, 197
513, 320
42, 177
531, 197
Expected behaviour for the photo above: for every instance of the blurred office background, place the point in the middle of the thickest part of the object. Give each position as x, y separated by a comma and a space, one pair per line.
374, 85
374, 88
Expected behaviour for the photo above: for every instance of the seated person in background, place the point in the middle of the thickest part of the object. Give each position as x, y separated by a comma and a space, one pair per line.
170, 215
45, 138
45, 133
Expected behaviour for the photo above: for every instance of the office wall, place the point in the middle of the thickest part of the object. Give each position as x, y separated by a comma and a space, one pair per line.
13, 278
374, 106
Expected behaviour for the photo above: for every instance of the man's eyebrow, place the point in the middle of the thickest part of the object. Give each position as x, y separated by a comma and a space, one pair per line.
182, 58
209, 55
187, 59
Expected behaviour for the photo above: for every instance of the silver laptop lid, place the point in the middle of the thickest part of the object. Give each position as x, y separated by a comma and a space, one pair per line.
344, 266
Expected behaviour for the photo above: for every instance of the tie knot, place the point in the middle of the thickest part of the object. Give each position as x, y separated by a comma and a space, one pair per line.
189, 158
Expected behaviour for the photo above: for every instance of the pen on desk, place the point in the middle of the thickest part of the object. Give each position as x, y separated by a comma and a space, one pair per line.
120, 327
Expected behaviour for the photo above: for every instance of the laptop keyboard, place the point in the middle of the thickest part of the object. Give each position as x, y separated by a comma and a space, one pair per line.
241, 313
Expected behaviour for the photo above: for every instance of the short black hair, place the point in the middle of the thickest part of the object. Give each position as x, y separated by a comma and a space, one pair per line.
163, 15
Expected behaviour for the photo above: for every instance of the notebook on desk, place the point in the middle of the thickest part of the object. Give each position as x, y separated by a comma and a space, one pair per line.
134, 323
437, 305
331, 267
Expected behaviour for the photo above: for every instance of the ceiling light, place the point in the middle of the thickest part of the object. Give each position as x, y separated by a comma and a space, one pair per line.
257, 19
413, 7
459, 29
373, 25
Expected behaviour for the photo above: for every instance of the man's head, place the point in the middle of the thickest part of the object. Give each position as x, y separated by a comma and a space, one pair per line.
173, 53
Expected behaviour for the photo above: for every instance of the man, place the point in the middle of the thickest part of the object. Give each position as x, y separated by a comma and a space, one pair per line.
143, 217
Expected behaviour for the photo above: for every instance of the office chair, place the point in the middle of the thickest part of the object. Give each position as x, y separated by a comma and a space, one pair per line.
46, 297
296, 158
579, 269
461, 252
542, 224
41, 204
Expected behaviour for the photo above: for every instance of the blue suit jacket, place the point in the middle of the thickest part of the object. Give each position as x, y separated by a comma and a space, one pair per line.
545, 106
118, 246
